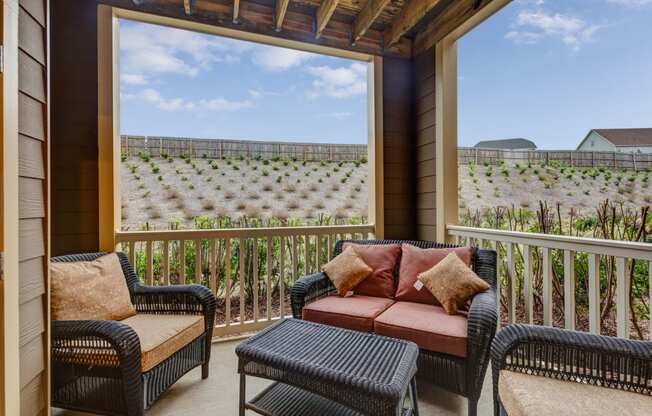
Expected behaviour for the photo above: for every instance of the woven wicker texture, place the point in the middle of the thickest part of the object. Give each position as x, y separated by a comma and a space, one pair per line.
366, 372
461, 376
574, 356
125, 390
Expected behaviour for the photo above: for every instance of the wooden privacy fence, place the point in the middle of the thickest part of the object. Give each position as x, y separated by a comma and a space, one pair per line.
530, 263
615, 160
250, 270
218, 149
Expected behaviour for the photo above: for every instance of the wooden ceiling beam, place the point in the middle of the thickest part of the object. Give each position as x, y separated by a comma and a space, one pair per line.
256, 18
411, 13
324, 14
236, 10
281, 9
367, 16
189, 6
447, 21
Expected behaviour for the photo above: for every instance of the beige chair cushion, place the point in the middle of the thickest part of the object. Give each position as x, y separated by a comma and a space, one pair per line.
452, 283
527, 395
86, 290
346, 270
163, 335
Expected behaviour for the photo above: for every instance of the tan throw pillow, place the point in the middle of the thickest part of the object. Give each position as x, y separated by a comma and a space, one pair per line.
86, 290
452, 283
346, 271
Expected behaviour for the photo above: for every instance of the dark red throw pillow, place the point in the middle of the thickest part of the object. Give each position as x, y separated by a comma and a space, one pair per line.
415, 260
382, 258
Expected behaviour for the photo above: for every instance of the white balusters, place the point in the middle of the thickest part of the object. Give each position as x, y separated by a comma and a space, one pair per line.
569, 289
594, 293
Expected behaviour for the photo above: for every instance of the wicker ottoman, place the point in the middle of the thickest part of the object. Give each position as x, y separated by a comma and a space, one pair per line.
321, 369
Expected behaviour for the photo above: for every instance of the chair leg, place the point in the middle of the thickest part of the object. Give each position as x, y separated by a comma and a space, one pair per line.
473, 407
204, 371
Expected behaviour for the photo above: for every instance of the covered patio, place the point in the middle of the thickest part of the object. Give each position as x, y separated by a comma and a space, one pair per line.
61, 196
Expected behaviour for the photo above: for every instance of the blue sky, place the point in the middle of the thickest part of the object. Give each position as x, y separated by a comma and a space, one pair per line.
181, 83
547, 70
552, 70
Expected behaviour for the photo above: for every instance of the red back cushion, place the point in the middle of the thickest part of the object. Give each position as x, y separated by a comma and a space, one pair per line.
382, 258
415, 260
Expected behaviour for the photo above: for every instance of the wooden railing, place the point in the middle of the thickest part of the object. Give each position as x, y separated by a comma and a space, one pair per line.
532, 264
250, 270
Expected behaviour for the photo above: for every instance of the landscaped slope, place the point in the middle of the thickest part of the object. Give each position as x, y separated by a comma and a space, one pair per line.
524, 185
161, 193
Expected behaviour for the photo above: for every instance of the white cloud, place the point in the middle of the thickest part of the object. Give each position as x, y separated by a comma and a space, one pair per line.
538, 25
279, 59
343, 82
167, 104
149, 49
341, 115
133, 79
219, 104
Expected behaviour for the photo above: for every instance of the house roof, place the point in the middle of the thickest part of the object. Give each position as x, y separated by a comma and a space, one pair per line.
517, 143
627, 137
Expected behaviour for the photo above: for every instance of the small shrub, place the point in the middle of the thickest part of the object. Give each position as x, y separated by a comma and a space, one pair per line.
208, 205
292, 204
229, 195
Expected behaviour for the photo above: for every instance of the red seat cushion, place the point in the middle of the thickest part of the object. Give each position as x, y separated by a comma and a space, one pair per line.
429, 326
354, 312
382, 258
415, 260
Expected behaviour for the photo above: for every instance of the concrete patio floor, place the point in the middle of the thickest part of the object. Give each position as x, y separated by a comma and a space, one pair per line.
218, 395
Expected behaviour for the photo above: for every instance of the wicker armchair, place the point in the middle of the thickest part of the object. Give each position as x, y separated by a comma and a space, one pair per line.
572, 357
96, 365
463, 376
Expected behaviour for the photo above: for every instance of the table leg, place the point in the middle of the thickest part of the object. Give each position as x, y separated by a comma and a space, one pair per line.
243, 390
415, 401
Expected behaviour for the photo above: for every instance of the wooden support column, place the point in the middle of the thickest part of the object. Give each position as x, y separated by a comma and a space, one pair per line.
108, 127
446, 137
376, 160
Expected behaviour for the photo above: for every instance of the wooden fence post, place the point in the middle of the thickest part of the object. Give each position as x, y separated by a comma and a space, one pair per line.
634, 160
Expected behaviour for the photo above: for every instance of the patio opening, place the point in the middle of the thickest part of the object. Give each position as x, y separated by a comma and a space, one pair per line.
554, 153
208, 196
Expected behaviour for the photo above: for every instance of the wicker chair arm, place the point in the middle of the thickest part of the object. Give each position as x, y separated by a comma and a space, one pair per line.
569, 355
307, 289
95, 341
176, 299
481, 328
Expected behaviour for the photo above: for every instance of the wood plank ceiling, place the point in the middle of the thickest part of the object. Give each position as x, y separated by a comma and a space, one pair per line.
397, 28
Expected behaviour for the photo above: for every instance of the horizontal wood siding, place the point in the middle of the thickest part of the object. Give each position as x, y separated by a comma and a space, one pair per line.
398, 145
32, 199
425, 145
74, 127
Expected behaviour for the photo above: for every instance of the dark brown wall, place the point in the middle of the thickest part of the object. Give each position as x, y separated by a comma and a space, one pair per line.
74, 126
425, 145
398, 148
74, 133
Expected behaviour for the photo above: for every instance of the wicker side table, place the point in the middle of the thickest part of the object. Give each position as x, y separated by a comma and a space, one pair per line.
322, 369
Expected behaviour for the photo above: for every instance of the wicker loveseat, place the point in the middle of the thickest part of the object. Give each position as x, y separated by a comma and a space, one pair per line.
122, 367
440, 360
546, 371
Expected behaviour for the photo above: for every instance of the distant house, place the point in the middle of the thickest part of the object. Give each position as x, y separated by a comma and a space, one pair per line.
617, 140
507, 144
